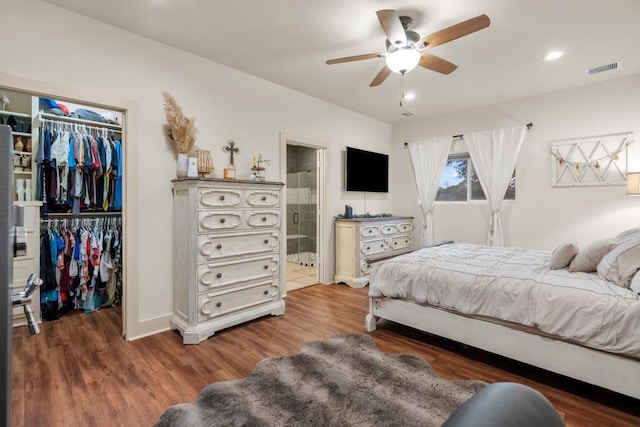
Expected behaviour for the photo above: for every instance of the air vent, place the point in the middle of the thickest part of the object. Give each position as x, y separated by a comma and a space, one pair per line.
603, 68
408, 113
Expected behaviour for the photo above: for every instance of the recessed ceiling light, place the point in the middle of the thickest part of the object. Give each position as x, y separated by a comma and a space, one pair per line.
409, 95
554, 54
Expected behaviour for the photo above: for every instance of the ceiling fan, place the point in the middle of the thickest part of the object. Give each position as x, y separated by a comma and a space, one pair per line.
404, 46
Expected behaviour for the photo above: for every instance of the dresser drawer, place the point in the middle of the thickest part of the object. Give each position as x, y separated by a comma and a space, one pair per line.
371, 247
263, 219
216, 221
388, 229
216, 246
405, 227
369, 231
212, 275
263, 198
212, 304
400, 242
213, 198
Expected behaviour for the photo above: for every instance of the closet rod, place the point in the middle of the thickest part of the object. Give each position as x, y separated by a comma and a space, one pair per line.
96, 128
529, 126
53, 117
83, 215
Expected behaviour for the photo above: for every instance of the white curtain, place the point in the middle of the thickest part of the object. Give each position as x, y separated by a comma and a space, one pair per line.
494, 154
428, 159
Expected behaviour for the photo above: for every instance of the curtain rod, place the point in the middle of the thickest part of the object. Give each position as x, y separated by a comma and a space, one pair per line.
529, 126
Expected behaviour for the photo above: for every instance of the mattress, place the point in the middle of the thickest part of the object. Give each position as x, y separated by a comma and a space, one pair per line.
515, 285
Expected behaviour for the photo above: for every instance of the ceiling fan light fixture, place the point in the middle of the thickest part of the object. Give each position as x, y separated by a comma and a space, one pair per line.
403, 60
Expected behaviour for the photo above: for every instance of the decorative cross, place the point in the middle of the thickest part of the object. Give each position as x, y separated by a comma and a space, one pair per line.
231, 149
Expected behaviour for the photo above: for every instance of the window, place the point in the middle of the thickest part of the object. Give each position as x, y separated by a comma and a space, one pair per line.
459, 182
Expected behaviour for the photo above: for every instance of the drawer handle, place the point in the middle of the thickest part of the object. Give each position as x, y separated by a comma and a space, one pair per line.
266, 292
264, 198
395, 243
382, 246
222, 220
266, 241
266, 266
264, 218
367, 247
218, 304
219, 275
221, 197
219, 246
406, 241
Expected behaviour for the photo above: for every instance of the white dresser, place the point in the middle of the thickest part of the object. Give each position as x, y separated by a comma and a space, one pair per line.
362, 239
227, 256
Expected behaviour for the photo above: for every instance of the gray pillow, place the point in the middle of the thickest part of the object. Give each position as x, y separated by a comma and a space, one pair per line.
562, 255
588, 258
619, 265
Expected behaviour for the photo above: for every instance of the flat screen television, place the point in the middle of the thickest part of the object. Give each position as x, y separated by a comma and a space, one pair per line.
366, 171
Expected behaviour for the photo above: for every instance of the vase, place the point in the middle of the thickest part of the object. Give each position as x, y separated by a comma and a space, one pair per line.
18, 146
181, 170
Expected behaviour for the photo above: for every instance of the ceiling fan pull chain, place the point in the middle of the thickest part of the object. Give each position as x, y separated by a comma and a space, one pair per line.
401, 88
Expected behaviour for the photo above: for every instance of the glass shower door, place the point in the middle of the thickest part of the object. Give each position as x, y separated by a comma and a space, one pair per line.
301, 218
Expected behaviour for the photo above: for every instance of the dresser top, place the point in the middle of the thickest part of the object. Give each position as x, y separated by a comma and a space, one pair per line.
227, 181
377, 218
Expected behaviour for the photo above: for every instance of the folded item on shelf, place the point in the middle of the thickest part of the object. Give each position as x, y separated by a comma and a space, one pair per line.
85, 114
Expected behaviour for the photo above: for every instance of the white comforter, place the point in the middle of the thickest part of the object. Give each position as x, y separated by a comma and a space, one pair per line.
515, 285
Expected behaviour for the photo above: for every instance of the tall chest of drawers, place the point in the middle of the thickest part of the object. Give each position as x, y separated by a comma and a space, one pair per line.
227, 256
360, 240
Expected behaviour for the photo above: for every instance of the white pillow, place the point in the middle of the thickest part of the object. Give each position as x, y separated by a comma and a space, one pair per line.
562, 255
632, 233
588, 258
619, 265
635, 283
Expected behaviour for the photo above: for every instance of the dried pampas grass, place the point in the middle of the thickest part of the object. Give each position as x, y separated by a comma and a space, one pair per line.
182, 130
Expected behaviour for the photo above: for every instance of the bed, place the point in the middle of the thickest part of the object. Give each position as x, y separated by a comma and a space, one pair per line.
509, 301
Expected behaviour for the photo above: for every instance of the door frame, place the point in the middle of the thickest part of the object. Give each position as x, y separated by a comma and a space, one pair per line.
130, 220
321, 237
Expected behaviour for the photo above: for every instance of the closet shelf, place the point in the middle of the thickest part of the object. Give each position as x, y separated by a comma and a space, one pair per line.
54, 117
94, 214
12, 113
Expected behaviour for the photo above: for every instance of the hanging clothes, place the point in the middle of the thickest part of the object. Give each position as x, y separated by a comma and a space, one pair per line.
79, 169
81, 265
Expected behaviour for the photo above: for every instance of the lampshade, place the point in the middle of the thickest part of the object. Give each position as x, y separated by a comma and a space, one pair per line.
633, 184
403, 60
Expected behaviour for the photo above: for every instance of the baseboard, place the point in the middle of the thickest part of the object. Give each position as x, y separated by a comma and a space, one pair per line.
148, 327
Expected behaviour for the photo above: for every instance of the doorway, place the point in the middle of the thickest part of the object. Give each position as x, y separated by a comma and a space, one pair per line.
302, 215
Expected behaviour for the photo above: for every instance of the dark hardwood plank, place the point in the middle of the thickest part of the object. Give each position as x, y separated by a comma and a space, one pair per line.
79, 371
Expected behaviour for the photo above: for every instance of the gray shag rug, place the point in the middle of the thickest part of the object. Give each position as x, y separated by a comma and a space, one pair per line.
344, 381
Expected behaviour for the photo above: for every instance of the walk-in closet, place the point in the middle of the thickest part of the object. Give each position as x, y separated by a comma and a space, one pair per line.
68, 173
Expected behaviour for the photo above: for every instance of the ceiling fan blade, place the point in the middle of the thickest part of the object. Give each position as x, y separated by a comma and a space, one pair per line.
456, 31
353, 58
380, 77
392, 27
436, 64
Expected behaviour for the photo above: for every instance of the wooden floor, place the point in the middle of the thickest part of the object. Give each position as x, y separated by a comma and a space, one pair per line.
80, 372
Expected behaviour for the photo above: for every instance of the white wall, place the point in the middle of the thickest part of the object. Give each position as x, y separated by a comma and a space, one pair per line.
542, 216
49, 44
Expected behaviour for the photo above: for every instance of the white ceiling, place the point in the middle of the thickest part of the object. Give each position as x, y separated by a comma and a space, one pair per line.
288, 41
